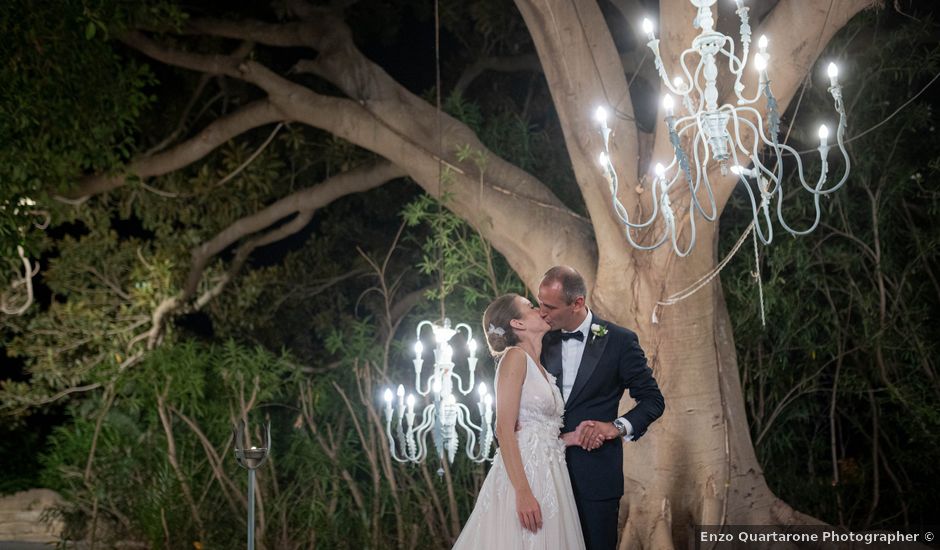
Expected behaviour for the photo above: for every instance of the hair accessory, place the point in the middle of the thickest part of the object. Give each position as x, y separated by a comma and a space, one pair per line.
498, 331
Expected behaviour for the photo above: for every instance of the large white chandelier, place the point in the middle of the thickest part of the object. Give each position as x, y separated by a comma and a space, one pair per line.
714, 132
443, 414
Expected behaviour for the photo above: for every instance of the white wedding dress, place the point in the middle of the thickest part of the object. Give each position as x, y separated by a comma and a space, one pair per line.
494, 524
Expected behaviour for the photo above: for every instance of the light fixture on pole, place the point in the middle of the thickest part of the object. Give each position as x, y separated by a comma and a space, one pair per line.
442, 416
731, 135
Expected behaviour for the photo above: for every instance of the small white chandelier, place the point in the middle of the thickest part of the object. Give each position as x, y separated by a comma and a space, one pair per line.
705, 125
443, 414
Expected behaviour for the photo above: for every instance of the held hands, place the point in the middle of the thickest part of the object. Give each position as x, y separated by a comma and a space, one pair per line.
590, 434
528, 510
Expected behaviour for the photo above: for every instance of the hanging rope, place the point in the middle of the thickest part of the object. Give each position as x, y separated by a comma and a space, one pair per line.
440, 146
703, 280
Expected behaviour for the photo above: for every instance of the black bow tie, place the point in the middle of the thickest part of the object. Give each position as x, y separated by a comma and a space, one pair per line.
578, 335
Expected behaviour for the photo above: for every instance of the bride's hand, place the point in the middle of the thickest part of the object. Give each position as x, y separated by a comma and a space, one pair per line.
529, 512
571, 438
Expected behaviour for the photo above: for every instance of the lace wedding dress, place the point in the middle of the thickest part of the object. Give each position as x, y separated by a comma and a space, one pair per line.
494, 524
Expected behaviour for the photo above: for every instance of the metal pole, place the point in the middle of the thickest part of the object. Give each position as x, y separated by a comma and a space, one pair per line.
251, 509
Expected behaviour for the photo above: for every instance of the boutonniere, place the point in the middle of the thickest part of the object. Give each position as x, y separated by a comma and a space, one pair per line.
598, 331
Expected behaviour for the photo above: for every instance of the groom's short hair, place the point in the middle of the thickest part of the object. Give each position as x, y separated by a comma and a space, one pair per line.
572, 283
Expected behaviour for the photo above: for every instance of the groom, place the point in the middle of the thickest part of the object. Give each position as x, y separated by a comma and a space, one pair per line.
594, 361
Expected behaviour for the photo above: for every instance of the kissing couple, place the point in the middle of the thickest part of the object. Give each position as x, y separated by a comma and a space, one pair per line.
557, 478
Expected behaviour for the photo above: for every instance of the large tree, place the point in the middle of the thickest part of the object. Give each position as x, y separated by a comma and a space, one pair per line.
697, 465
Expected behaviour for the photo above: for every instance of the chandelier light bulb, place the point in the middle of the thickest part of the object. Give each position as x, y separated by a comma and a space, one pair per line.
482, 390
762, 43
472, 346
760, 62
410, 401
668, 104
660, 170
678, 82
648, 28
401, 390
823, 135
436, 386
488, 400
833, 71
603, 159
388, 396
601, 115
736, 170
419, 349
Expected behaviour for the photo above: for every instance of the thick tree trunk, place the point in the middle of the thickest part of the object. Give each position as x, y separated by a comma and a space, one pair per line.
696, 465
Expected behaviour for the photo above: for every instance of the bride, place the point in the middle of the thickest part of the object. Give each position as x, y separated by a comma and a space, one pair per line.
526, 501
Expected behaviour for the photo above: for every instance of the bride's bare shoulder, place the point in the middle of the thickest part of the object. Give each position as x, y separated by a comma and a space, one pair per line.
513, 360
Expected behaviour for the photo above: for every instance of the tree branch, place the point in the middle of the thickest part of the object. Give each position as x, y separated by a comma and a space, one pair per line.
507, 205
252, 115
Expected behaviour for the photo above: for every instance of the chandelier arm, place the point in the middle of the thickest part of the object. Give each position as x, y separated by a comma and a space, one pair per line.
427, 390
754, 212
460, 382
391, 440
613, 180
463, 423
840, 139
420, 326
421, 432
817, 190
701, 178
674, 231
756, 130
685, 71
789, 229
639, 246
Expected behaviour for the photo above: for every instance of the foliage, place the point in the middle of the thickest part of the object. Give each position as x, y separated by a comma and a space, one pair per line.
844, 373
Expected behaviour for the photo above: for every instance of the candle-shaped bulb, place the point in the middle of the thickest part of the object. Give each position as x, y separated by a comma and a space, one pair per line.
833, 71
410, 402
401, 390
823, 135
760, 62
660, 170
678, 83
762, 43
482, 390
419, 349
648, 28
600, 115
603, 159
488, 400
668, 104
472, 345
736, 170
436, 386
388, 396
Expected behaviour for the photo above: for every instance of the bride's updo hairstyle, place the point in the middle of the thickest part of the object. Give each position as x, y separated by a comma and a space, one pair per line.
499, 335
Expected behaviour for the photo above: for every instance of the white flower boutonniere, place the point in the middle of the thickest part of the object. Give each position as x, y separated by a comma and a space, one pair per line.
598, 331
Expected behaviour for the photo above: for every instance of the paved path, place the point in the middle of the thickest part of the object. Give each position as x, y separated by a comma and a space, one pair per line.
4, 545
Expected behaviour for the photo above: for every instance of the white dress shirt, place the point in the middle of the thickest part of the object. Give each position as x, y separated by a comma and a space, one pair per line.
571, 352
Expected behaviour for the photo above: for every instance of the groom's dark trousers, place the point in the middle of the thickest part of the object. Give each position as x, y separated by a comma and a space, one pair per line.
610, 364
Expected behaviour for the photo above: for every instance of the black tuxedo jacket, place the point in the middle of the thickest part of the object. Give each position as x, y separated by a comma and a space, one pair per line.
611, 364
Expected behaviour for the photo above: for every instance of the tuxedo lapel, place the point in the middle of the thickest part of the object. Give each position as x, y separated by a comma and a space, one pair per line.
593, 350
551, 356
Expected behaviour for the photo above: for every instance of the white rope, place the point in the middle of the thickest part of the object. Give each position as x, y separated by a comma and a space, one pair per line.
760, 283
704, 280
